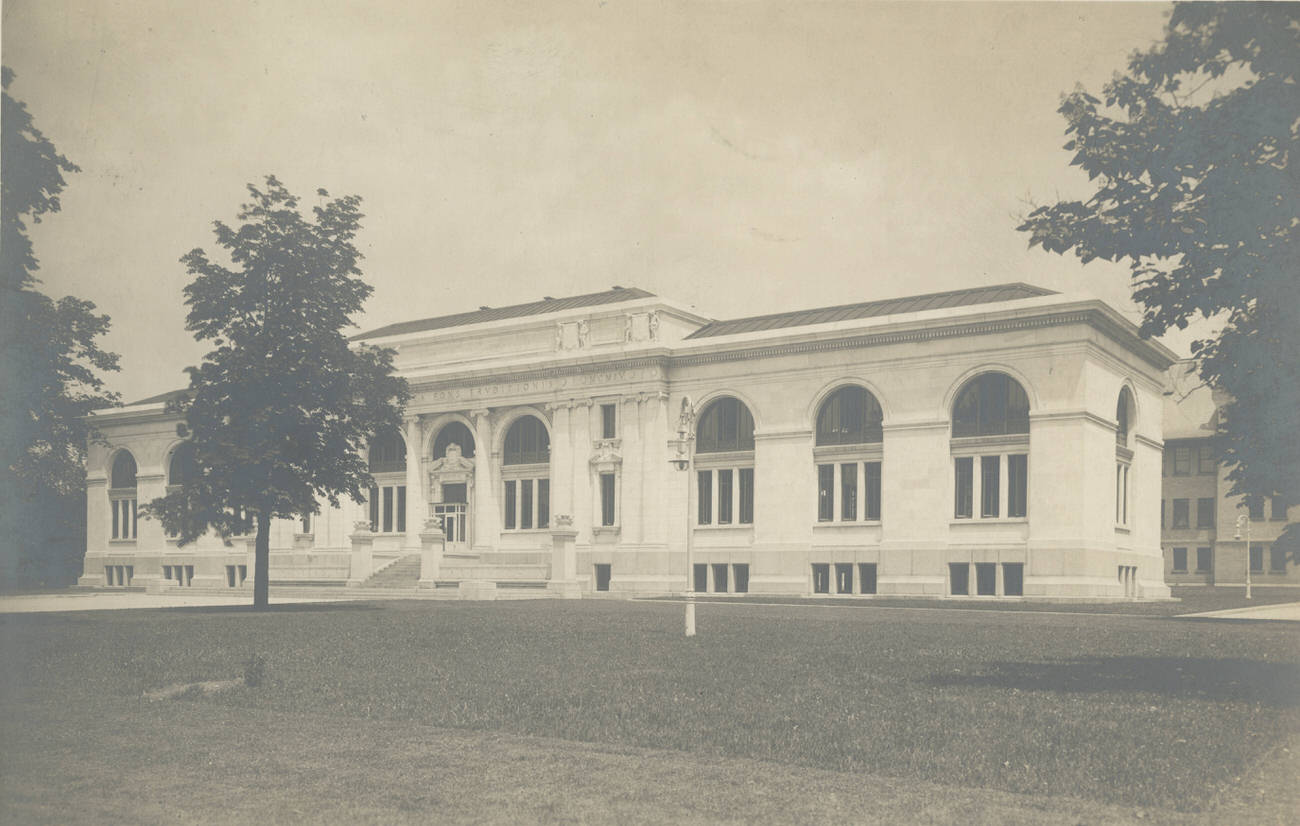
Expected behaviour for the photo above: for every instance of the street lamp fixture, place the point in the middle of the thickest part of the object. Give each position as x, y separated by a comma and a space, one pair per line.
680, 455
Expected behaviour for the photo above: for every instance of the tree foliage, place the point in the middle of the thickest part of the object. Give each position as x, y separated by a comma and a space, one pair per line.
281, 410
1191, 150
51, 365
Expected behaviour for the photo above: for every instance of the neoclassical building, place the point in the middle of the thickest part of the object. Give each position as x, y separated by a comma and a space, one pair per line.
998, 441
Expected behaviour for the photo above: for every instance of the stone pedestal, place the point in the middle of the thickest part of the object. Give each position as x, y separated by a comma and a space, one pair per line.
564, 559
478, 589
432, 545
362, 562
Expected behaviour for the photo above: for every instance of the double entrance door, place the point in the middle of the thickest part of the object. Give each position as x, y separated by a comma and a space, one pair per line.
454, 510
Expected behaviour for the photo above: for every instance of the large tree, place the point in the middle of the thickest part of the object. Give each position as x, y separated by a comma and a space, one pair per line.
280, 412
1192, 153
50, 366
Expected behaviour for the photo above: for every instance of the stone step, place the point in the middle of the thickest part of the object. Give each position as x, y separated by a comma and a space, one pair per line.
515, 558
494, 573
401, 574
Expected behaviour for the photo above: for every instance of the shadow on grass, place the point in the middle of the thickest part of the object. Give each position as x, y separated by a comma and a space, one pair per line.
1232, 680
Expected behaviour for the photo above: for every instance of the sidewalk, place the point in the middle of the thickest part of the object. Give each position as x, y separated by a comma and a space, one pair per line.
103, 601
1286, 611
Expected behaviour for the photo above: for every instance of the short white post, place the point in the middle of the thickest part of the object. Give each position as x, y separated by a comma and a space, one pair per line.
432, 544
362, 561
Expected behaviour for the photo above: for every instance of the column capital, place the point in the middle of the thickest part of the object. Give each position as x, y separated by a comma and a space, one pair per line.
582, 402
479, 413
552, 407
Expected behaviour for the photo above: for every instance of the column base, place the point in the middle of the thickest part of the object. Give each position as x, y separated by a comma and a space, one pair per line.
565, 588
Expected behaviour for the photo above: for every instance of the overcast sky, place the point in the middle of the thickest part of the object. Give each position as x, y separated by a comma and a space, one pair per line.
743, 158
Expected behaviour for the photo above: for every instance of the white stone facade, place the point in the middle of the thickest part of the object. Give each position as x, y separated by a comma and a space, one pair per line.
605, 376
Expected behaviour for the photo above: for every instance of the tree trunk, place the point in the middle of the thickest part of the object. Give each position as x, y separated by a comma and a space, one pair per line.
262, 562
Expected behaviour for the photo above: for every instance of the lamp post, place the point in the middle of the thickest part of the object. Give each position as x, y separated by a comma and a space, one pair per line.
681, 458
1243, 520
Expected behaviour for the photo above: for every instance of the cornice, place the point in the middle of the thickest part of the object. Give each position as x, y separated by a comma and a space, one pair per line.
541, 373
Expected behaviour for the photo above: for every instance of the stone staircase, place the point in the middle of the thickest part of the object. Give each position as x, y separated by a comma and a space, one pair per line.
403, 573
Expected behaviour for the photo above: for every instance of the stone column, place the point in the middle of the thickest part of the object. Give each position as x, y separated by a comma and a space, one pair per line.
362, 562
583, 493
561, 458
486, 533
432, 545
564, 559
416, 508
631, 510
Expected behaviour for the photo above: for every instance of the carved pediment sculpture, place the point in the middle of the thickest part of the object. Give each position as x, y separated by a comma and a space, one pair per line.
605, 453
452, 461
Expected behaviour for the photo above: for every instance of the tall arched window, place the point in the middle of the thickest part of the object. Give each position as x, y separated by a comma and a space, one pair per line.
388, 493
1124, 409
848, 456
526, 475
454, 433
122, 495
182, 468
991, 404
990, 428
724, 447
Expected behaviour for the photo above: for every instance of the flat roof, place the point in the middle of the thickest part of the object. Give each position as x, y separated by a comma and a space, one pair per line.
546, 305
871, 309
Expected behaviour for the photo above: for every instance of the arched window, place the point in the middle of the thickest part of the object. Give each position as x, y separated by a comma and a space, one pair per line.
122, 496
850, 416
991, 404
726, 424
527, 442
1123, 416
454, 433
725, 482
1124, 409
387, 453
526, 496
848, 457
388, 494
182, 468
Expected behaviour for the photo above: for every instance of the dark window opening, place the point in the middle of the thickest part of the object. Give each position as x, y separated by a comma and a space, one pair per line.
986, 579
1181, 508
965, 467
543, 503
602, 577
821, 576
607, 503
747, 496
959, 579
1180, 560
866, 577
850, 416
1204, 560
990, 481
701, 577
825, 493
992, 404
1205, 513
510, 505
1013, 579
849, 492
454, 433
872, 513
843, 578
608, 421
527, 443
720, 577
1018, 486
726, 424
704, 492
740, 575
387, 453
525, 504
724, 497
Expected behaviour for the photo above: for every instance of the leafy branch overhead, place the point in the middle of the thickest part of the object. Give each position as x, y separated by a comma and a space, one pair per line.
1192, 153
281, 410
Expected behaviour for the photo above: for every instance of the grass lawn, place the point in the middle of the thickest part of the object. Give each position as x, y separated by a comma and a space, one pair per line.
1108, 710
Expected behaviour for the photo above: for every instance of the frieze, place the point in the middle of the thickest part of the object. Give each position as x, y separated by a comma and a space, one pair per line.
539, 382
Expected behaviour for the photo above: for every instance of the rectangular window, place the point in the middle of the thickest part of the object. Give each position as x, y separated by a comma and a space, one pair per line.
872, 505
959, 579
306, 523
747, 496
387, 499
1204, 560
705, 497
1257, 559
849, 492
1180, 560
1205, 463
1256, 510
1162, 514
825, 493
602, 577
701, 578
1181, 513
740, 572
1182, 461
401, 508
608, 421
1205, 513
525, 504
543, 503
230, 576
821, 578
510, 505
990, 481
1017, 485
866, 577
724, 497
1167, 460
986, 579
720, 577
374, 509
965, 467
1013, 579
843, 578
1279, 509
1276, 560
117, 527
607, 499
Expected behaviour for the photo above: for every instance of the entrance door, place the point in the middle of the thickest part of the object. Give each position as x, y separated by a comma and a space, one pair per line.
454, 511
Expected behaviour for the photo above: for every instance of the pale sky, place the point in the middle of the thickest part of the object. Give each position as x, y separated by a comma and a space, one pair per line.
742, 158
